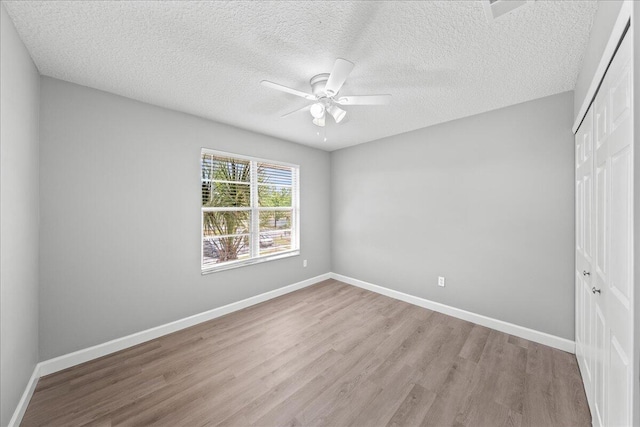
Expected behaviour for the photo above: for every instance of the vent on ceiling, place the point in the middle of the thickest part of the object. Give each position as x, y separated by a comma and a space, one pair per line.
496, 8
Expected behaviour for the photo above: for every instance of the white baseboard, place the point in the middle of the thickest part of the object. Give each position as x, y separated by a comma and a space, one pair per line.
68, 360
16, 419
499, 325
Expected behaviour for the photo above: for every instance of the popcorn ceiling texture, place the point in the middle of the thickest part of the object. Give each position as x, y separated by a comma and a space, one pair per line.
440, 60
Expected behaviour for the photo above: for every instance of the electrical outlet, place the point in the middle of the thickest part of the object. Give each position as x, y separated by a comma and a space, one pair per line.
304, 263
441, 281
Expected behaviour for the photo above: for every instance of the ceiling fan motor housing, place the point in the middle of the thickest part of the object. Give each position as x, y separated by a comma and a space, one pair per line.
318, 84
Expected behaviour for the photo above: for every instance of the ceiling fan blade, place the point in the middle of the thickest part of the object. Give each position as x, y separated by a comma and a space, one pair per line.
364, 100
339, 74
286, 89
305, 108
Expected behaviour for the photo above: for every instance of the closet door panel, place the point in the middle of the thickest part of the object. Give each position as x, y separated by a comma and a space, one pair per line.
613, 250
584, 251
616, 89
601, 257
620, 280
599, 377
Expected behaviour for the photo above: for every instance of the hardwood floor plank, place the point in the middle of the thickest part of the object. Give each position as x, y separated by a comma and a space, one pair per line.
380, 410
179, 389
345, 410
510, 386
362, 362
540, 361
453, 393
414, 408
321, 389
518, 341
486, 413
474, 346
277, 394
437, 360
539, 405
329, 354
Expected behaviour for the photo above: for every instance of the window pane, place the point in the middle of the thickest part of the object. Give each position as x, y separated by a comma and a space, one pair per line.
225, 181
225, 223
225, 169
226, 194
217, 250
275, 220
274, 174
273, 196
272, 242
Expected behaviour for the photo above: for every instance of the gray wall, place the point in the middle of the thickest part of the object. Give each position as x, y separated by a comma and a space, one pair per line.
120, 217
19, 92
598, 37
486, 201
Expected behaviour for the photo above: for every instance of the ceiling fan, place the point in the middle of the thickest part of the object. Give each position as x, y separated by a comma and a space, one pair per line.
324, 97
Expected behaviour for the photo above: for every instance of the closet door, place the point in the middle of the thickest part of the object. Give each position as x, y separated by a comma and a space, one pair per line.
584, 251
612, 289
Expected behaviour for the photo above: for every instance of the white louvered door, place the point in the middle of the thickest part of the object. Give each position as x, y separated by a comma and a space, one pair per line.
604, 247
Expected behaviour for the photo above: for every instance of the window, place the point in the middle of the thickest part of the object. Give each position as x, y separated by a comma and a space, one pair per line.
250, 210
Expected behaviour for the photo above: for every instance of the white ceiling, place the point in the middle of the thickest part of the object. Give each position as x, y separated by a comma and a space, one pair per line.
440, 60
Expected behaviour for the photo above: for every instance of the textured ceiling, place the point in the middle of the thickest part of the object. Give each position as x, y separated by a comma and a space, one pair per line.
440, 60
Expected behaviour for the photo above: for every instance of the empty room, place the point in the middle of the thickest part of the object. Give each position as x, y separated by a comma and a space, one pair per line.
319, 213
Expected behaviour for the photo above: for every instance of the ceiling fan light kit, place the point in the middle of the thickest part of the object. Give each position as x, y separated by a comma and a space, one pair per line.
319, 121
325, 88
317, 110
336, 112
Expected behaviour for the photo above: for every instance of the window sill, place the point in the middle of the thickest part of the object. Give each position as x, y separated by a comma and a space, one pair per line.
252, 261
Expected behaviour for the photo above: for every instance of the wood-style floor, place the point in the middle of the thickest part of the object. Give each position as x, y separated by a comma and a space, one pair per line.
330, 354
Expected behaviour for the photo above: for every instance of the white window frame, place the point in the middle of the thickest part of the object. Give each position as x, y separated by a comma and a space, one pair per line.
255, 215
